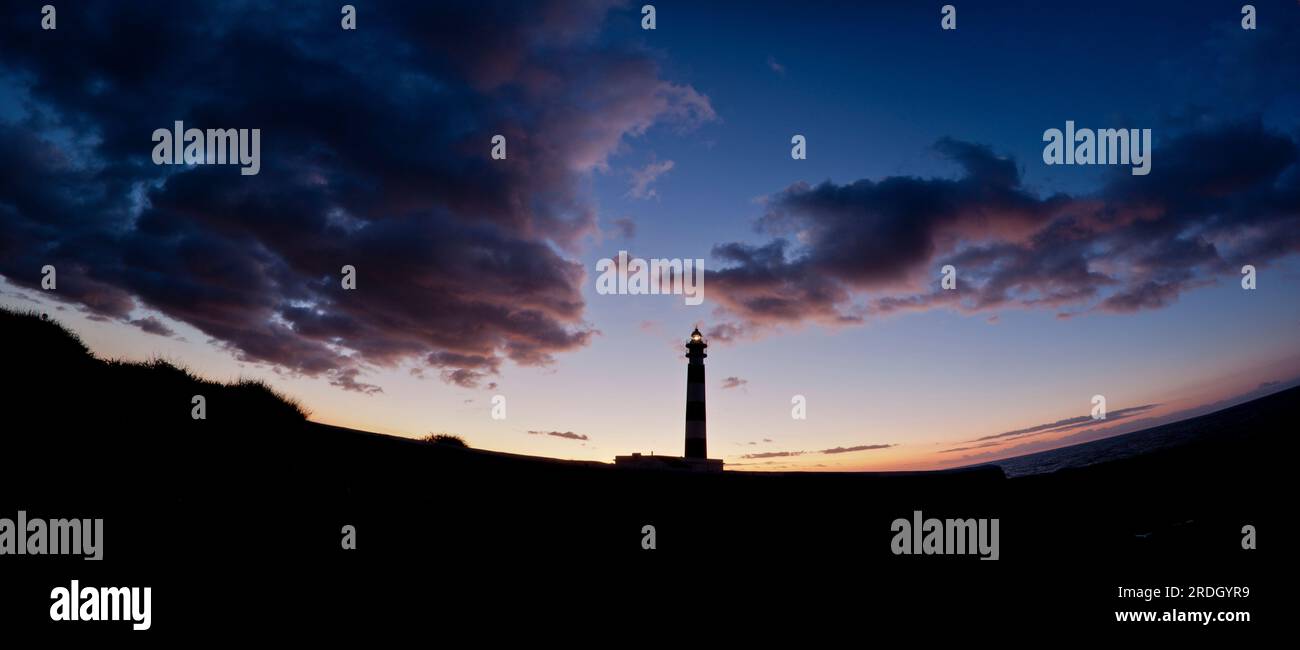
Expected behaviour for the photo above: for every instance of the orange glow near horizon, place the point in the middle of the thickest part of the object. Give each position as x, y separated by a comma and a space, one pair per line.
749, 421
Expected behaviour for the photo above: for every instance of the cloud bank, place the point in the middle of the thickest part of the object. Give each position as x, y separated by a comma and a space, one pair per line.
1217, 198
375, 154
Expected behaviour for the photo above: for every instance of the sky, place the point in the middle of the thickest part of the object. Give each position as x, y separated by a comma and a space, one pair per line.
476, 277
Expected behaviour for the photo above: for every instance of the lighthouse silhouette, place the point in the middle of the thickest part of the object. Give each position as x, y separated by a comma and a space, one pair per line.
697, 446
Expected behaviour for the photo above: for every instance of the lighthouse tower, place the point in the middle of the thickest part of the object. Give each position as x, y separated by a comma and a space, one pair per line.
696, 441
697, 452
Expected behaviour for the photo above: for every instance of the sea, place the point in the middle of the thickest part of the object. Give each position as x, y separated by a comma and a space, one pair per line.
1106, 449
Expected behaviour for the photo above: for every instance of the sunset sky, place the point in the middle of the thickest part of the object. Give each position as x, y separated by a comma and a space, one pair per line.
476, 277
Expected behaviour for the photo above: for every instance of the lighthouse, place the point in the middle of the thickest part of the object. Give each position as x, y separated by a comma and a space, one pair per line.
696, 439
696, 458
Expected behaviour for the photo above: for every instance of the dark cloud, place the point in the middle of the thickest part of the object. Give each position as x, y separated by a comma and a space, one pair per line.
374, 154
733, 382
1217, 198
1070, 423
724, 333
153, 326
625, 227
773, 454
567, 435
833, 450
841, 450
1059, 426
347, 380
971, 447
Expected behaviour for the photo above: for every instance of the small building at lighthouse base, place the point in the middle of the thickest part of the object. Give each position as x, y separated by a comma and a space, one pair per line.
678, 463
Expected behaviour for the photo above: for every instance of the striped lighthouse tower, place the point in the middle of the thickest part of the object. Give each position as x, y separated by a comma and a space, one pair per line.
696, 445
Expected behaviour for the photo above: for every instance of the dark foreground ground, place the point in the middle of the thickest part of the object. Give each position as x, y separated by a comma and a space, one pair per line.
235, 522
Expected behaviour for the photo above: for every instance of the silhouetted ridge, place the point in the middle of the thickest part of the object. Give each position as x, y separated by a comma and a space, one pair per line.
27, 335
45, 349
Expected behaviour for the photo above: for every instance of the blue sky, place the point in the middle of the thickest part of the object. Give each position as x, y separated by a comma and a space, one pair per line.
872, 98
